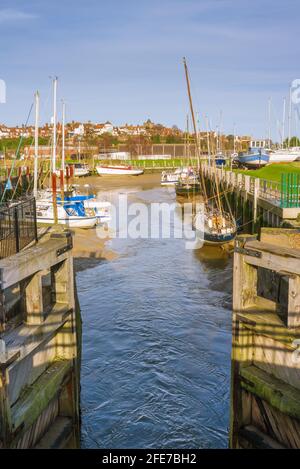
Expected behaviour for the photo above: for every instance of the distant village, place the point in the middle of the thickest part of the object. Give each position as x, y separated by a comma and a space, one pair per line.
92, 137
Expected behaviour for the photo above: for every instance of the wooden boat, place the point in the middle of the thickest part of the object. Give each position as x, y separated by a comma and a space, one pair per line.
218, 228
214, 225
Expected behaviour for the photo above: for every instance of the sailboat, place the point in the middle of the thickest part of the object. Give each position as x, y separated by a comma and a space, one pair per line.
48, 209
188, 183
214, 226
120, 170
284, 154
171, 178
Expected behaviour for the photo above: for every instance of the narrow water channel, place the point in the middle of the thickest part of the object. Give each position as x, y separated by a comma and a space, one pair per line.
156, 344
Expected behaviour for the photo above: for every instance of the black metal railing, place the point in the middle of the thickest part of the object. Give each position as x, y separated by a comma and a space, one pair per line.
18, 226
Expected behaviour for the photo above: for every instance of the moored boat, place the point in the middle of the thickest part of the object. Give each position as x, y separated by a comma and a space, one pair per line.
120, 170
255, 158
81, 169
73, 215
187, 188
215, 228
284, 155
220, 159
171, 178
213, 224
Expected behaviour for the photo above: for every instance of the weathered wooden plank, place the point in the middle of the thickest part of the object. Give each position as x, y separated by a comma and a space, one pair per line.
26, 263
33, 304
283, 237
280, 395
266, 323
25, 338
273, 249
257, 439
38, 396
274, 262
58, 435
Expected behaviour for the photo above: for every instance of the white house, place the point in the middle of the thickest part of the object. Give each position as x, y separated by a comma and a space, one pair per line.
100, 129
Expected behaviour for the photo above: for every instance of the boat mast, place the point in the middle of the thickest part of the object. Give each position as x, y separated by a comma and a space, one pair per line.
63, 136
290, 117
54, 125
283, 122
188, 139
54, 201
207, 137
234, 132
269, 119
36, 143
220, 131
194, 128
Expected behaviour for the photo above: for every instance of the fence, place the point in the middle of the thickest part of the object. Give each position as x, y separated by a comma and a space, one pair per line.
18, 226
290, 190
284, 194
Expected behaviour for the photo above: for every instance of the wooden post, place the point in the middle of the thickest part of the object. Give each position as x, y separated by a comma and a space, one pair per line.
61, 281
54, 201
247, 183
255, 198
5, 414
62, 185
265, 389
33, 295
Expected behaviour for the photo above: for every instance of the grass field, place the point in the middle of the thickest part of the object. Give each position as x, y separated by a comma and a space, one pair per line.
272, 172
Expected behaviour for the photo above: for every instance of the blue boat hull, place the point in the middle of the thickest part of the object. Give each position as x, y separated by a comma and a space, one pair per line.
254, 159
218, 239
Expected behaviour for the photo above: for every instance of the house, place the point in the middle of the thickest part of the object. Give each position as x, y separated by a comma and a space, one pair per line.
106, 128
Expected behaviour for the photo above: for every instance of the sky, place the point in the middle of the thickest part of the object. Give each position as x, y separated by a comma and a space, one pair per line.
121, 60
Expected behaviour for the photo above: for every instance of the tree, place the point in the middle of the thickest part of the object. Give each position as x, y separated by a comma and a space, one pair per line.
294, 142
155, 139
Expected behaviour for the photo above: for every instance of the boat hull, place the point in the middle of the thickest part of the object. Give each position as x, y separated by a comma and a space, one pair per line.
255, 160
72, 222
284, 158
186, 190
110, 171
81, 172
218, 240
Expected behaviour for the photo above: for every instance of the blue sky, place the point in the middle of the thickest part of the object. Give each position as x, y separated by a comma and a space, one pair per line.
121, 60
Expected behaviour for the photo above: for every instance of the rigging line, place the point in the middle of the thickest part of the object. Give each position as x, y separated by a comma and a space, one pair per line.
228, 204
15, 189
17, 153
195, 130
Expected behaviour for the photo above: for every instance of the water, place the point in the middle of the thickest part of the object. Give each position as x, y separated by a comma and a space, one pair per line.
156, 345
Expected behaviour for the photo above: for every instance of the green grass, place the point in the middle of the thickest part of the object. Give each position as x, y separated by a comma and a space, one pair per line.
272, 172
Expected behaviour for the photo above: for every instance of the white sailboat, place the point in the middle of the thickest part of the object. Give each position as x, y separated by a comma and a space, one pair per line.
81, 169
170, 178
71, 214
67, 214
284, 155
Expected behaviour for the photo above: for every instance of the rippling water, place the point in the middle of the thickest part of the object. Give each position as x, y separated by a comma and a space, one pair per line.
156, 345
